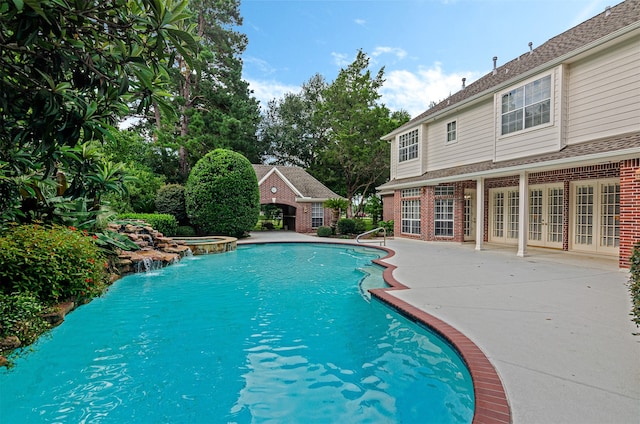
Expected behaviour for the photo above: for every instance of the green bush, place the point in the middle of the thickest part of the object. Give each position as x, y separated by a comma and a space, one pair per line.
634, 284
162, 222
54, 263
21, 316
185, 231
324, 231
360, 226
170, 199
346, 226
388, 226
222, 195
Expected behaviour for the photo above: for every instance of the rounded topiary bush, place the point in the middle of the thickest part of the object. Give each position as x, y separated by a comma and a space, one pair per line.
346, 226
170, 200
324, 231
222, 195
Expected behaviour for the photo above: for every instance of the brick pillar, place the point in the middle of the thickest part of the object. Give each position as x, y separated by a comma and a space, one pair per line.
397, 212
629, 209
427, 205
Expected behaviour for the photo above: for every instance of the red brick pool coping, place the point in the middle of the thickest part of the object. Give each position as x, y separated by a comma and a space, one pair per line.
491, 405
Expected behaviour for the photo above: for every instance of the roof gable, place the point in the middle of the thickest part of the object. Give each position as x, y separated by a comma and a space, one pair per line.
303, 184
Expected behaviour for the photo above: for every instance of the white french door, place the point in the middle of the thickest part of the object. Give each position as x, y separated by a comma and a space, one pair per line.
546, 204
469, 215
503, 213
595, 225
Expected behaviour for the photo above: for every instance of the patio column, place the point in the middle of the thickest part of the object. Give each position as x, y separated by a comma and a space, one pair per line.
523, 214
479, 212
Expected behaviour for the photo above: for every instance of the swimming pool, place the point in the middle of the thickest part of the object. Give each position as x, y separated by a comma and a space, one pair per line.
278, 332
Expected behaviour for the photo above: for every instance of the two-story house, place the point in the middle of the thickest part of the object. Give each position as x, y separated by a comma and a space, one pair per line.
542, 151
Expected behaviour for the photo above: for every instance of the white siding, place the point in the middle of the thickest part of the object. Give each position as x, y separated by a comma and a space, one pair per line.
474, 141
536, 140
604, 94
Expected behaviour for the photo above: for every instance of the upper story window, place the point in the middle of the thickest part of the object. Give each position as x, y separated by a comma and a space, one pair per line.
408, 146
527, 106
451, 132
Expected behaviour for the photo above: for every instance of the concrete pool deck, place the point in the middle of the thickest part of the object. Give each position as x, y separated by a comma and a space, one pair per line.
555, 325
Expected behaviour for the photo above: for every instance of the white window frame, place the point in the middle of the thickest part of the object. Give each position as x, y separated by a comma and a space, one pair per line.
410, 211
533, 96
443, 217
317, 214
597, 220
452, 132
408, 145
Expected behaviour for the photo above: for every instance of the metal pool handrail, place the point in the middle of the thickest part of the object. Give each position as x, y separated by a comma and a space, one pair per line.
382, 242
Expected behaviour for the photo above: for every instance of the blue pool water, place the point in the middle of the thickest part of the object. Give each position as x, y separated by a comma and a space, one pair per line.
267, 333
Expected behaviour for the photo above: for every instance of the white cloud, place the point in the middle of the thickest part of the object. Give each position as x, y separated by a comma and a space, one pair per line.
340, 59
265, 91
360, 21
396, 51
413, 91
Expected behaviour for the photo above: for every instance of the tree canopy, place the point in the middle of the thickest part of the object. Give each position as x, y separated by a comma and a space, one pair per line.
70, 69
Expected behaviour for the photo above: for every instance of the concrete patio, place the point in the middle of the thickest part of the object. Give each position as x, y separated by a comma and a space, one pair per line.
555, 325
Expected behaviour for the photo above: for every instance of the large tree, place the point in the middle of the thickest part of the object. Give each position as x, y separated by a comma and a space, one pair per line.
355, 159
68, 71
293, 128
217, 109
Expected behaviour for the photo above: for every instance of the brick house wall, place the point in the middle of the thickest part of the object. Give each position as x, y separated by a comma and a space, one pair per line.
629, 209
627, 171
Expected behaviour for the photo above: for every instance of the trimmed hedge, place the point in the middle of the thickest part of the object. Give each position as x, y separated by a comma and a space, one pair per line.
162, 222
222, 195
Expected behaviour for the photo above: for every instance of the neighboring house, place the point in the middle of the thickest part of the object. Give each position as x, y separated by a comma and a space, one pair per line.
299, 195
542, 151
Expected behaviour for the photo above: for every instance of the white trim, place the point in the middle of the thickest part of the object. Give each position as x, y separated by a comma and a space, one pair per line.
283, 178
585, 160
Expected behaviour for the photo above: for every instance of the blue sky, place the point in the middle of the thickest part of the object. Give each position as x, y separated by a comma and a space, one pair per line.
426, 46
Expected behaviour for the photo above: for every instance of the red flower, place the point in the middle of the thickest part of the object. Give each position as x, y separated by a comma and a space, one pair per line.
95, 237
72, 228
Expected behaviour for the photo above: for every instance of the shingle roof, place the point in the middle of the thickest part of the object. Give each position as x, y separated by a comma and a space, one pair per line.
304, 182
611, 145
601, 25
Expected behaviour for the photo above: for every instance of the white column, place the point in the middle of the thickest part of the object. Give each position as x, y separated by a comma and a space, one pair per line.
523, 214
479, 212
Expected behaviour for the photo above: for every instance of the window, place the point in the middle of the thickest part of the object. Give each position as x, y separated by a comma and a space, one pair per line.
411, 216
451, 132
527, 106
410, 211
443, 218
408, 146
317, 215
444, 191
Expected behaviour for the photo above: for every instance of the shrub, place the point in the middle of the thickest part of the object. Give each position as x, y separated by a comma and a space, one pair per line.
185, 231
222, 194
634, 284
360, 226
162, 222
388, 226
53, 263
21, 316
324, 231
346, 226
170, 199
